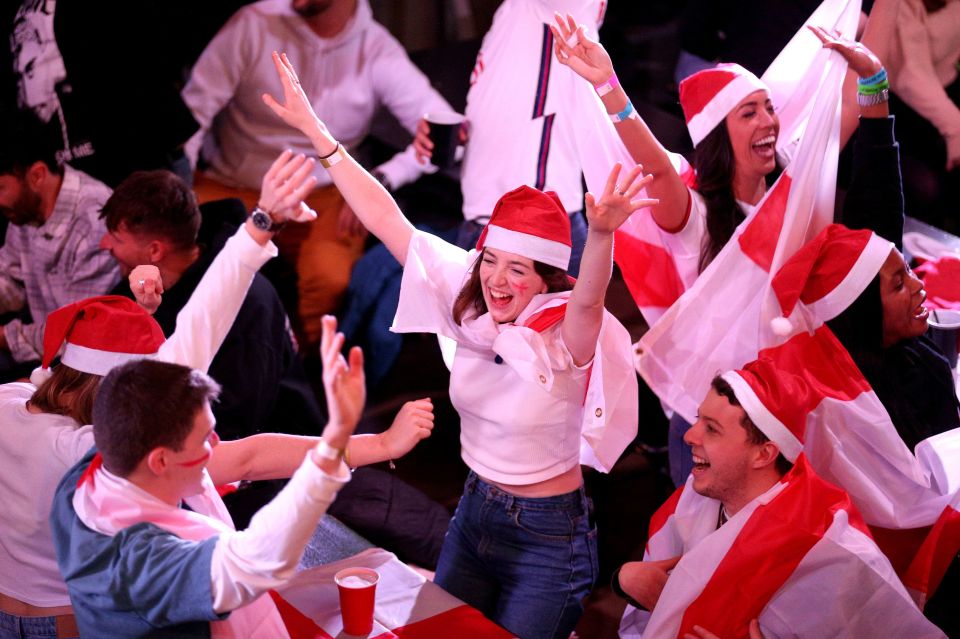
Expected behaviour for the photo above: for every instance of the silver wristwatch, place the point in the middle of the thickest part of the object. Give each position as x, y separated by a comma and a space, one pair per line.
262, 220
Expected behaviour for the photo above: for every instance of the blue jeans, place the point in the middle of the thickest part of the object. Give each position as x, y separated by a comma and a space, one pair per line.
679, 454
13, 627
469, 233
526, 563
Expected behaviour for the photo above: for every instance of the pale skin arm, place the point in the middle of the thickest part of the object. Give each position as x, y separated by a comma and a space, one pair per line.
371, 203
589, 60
645, 580
277, 456
584, 316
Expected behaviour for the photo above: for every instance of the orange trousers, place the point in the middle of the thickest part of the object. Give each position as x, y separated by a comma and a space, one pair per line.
322, 258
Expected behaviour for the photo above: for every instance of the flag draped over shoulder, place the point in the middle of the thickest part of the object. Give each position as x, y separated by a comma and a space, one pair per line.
722, 320
798, 558
698, 337
805, 82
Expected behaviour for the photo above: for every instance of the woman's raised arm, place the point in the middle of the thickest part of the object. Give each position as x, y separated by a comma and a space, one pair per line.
589, 60
584, 316
372, 204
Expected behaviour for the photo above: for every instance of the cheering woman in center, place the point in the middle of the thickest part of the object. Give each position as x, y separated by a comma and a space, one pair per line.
542, 378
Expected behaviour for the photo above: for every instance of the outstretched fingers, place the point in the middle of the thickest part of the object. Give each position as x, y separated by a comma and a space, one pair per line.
612, 178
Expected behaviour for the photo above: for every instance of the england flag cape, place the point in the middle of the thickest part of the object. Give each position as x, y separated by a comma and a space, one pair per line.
108, 505
798, 558
724, 321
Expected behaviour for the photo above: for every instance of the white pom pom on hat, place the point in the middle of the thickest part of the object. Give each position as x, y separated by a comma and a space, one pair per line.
828, 273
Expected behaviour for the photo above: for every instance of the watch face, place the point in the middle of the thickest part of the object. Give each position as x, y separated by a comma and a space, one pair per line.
261, 220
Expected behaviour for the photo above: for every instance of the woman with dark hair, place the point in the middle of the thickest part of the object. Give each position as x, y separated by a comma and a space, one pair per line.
734, 128
538, 366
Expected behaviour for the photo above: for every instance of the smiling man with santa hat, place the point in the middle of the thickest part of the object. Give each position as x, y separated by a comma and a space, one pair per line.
756, 534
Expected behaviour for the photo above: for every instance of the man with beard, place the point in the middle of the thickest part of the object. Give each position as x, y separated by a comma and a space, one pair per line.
51, 256
352, 66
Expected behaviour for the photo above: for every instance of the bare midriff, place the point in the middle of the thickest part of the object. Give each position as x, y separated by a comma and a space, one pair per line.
566, 482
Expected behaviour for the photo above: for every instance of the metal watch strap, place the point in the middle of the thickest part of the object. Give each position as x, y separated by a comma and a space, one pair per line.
873, 99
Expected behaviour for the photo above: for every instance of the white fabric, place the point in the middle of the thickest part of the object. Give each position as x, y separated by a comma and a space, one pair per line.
346, 77
96, 361
35, 452
505, 136
538, 249
37, 449
521, 421
403, 597
699, 336
244, 564
843, 586
798, 82
206, 318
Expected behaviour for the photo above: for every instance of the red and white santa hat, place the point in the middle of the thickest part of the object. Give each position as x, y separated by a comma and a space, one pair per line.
776, 401
530, 223
100, 333
828, 273
708, 96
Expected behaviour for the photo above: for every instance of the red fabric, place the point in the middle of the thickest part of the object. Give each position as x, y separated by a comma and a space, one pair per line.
299, 626
899, 545
659, 518
759, 240
533, 212
462, 621
819, 266
774, 540
699, 89
548, 317
934, 557
227, 489
648, 271
107, 323
794, 378
941, 279
95, 465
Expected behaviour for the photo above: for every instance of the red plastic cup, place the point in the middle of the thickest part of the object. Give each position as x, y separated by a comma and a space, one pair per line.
357, 588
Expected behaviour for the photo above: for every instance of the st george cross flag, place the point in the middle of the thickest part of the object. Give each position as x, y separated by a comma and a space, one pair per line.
798, 558
804, 82
407, 606
719, 323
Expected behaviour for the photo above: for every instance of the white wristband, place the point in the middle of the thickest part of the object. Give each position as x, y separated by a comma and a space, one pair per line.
326, 451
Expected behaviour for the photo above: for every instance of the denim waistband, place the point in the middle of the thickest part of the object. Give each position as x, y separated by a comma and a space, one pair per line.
475, 484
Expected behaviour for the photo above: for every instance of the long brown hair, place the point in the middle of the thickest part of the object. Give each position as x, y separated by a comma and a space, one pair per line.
470, 297
715, 165
68, 392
